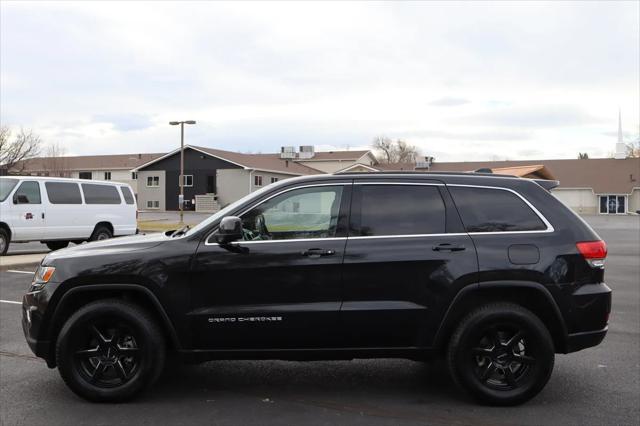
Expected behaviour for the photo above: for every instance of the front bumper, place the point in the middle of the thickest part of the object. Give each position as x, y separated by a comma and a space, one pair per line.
34, 305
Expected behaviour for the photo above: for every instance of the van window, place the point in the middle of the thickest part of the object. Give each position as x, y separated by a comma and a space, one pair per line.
100, 194
28, 193
494, 210
63, 193
126, 193
6, 185
398, 210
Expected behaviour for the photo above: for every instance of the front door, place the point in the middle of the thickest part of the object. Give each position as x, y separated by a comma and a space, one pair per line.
28, 212
402, 264
280, 287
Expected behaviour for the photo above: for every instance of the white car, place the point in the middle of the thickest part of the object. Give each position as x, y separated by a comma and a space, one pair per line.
57, 211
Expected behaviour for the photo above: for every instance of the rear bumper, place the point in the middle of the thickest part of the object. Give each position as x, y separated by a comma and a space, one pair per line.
586, 339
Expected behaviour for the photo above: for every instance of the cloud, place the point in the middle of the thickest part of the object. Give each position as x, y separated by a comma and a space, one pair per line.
449, 101
538, 116
125, 122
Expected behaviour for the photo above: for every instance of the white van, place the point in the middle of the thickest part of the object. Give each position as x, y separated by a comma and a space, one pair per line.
57, 211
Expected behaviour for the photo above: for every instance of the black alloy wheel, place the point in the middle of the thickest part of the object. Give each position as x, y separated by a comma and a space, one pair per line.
502, 354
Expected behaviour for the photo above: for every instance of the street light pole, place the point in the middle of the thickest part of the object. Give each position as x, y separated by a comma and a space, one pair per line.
181, 181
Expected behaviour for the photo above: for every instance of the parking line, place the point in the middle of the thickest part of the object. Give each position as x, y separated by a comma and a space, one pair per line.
15, 271
11, 302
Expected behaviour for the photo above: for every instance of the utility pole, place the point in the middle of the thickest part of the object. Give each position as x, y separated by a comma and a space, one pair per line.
181, 179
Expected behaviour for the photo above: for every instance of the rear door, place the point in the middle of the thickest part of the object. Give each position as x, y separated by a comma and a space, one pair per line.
406, 257
28, 212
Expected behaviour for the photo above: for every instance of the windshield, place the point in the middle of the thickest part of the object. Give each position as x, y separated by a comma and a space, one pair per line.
228, 209
6, 185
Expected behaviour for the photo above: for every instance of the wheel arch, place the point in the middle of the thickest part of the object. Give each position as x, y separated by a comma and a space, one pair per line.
76, 297
530, 295
106, 224
6, 227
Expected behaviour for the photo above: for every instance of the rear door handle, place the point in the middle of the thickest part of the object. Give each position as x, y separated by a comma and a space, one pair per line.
316, 252
448, 247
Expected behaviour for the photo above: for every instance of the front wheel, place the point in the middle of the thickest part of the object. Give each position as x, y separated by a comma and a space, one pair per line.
110, 351
502, 354
4, 241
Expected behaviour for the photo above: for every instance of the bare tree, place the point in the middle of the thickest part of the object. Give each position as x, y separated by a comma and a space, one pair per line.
397, 151
13, 151
583, 156
633, 149
55, 162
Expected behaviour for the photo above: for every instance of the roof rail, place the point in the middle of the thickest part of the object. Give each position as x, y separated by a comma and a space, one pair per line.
547, 184
420, 172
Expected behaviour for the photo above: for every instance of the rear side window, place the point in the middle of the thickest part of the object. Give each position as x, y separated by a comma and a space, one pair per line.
494, 210
126, 193
399, 210
100, 194
63, 193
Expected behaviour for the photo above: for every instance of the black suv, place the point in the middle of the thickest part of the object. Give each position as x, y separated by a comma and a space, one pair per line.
493, 272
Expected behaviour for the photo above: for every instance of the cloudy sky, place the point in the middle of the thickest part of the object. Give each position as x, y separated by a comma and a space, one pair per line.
463, 81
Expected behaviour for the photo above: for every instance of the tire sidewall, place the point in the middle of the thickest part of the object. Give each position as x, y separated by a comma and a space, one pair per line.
538, 341
148, 357
4, 235
101, 230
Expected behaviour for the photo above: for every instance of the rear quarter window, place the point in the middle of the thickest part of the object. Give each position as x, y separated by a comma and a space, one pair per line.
100, 194
126, 193
494, 210
63, 193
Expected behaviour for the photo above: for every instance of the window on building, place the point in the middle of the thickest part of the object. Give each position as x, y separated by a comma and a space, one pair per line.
63, 193
28, 193
100, 194
377, 212
153, 180
134, 175
613, 204
46, 173
494, 210
85, 175
107, 175
153, 204
300, 213
187, 180
126, 193
257, 180
274, 179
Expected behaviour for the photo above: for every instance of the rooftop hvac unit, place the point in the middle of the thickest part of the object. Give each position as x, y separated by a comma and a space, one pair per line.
306, 151
288, 152
424, 164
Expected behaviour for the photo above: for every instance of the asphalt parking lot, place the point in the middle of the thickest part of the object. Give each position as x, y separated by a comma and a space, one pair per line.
596, 386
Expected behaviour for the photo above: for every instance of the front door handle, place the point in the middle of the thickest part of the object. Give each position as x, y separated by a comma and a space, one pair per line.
316, 252
448, 247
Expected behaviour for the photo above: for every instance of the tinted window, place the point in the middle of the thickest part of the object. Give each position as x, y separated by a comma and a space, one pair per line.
28, 193
400, 210
301, 213
100, 194
126, 193
63, 193
6, 185
494, 210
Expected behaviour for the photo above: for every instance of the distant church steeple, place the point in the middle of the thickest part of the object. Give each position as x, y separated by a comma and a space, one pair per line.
621, 148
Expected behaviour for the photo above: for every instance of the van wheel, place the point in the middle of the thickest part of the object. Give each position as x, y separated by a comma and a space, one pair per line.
100, 233
502, 354
4, 241
57, 245
109, 351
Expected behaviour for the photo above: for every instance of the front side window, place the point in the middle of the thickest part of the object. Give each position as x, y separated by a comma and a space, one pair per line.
6, 186
301, 213
398, 210
100, 194
63, 193
494, 210
27, 193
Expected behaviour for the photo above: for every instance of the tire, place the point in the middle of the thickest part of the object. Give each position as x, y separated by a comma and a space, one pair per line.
56, 245
502, 354
101, 232
97, 368
4, 241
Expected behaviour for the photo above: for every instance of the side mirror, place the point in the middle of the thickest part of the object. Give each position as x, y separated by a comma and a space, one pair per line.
20, 199
230, 229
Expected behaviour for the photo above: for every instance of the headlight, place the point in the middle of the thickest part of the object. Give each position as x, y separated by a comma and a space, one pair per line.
42, 276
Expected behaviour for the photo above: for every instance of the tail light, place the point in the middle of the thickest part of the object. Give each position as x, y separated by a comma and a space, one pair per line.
594, 252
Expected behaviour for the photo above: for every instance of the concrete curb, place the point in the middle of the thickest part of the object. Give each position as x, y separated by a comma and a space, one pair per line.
21, 259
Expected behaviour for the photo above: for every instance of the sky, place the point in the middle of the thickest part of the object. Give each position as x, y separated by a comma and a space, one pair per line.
461, 81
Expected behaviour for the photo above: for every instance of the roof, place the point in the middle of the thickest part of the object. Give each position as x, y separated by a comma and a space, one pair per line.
539, 171
86, 162
263, 162
335, 156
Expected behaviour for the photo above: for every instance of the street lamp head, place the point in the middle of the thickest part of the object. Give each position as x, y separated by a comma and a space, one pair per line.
174, 123
190, 121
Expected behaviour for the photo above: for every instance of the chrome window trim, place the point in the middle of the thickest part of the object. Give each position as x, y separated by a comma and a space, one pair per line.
544, 220
367, 237
399, 183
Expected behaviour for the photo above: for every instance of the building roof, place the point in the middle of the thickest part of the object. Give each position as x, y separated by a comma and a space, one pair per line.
85, 162
335, 156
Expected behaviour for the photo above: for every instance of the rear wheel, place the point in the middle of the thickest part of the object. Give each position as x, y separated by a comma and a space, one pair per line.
110, 351
57, 245
502, 354
4, 241
101, 232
